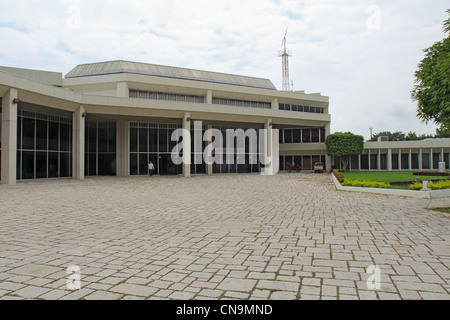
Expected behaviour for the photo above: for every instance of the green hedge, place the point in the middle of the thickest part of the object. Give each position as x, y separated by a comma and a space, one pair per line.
442, 184
367, 184
430, 173
339, 176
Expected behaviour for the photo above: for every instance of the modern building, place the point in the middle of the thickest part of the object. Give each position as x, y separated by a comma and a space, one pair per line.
112, 118
423, 155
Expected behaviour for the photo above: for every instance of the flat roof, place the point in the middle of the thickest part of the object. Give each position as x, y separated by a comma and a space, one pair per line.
122, 66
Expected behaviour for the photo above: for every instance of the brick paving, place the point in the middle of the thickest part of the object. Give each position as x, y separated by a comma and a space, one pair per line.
290, 236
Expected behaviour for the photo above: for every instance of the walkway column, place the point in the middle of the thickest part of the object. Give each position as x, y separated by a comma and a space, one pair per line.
410, 160
9, 137
379, 160
420, 160
122, 148
78, 128
187, 145
389, 159
431, 158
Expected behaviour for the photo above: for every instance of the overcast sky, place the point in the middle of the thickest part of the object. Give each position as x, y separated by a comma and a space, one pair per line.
362, 54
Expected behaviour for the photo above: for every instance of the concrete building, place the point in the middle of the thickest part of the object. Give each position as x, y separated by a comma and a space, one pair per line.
423, 155
112, 118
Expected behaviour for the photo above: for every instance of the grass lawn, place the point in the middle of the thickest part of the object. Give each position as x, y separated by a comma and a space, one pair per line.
387, 176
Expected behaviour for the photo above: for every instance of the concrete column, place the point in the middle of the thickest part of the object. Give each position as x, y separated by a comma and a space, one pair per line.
209, 166
431, 158
187, 145
389, 160
379, 160
9, 137
209, 97
410, 160
275, 104
399, 159
359, 162
122, 90
369, 160
78, 127
420, 159
123, 148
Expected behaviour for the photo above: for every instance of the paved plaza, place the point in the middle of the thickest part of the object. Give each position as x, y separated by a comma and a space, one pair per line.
237, 236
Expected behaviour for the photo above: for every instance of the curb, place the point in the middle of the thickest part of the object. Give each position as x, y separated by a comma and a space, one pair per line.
433, 194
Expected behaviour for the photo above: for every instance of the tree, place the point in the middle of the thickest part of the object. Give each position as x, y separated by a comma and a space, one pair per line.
432, 89
344, 145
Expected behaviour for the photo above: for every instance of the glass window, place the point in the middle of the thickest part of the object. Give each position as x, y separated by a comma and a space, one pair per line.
28, 133
92, 139
143, 139
315, 135
41, 164
53, 165
41, 135
102, 139
133, 163
287, 135
294, 107
133, 139
65, 137
163, 140
153, 135
296, 136
53, 136
28, 165
65, 164
306, 135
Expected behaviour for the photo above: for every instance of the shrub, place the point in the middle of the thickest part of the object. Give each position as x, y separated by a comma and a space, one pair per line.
367, 184
415, 186
443, 184
430, 173
339, 176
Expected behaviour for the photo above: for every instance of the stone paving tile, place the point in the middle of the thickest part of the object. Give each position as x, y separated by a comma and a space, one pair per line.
219, 237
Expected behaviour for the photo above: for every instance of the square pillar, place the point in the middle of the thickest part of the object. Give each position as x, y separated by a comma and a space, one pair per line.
123, 149
209, 97
420, 159
186, 145
389, 159
78, 127
274, 104
9, 137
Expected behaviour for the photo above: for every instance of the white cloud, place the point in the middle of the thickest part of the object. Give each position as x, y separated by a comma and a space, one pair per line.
362, 54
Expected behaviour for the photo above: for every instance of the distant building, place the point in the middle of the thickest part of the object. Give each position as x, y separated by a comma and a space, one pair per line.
401, 155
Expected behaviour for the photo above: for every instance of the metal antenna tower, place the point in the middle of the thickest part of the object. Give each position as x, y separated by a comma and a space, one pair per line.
285, 57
